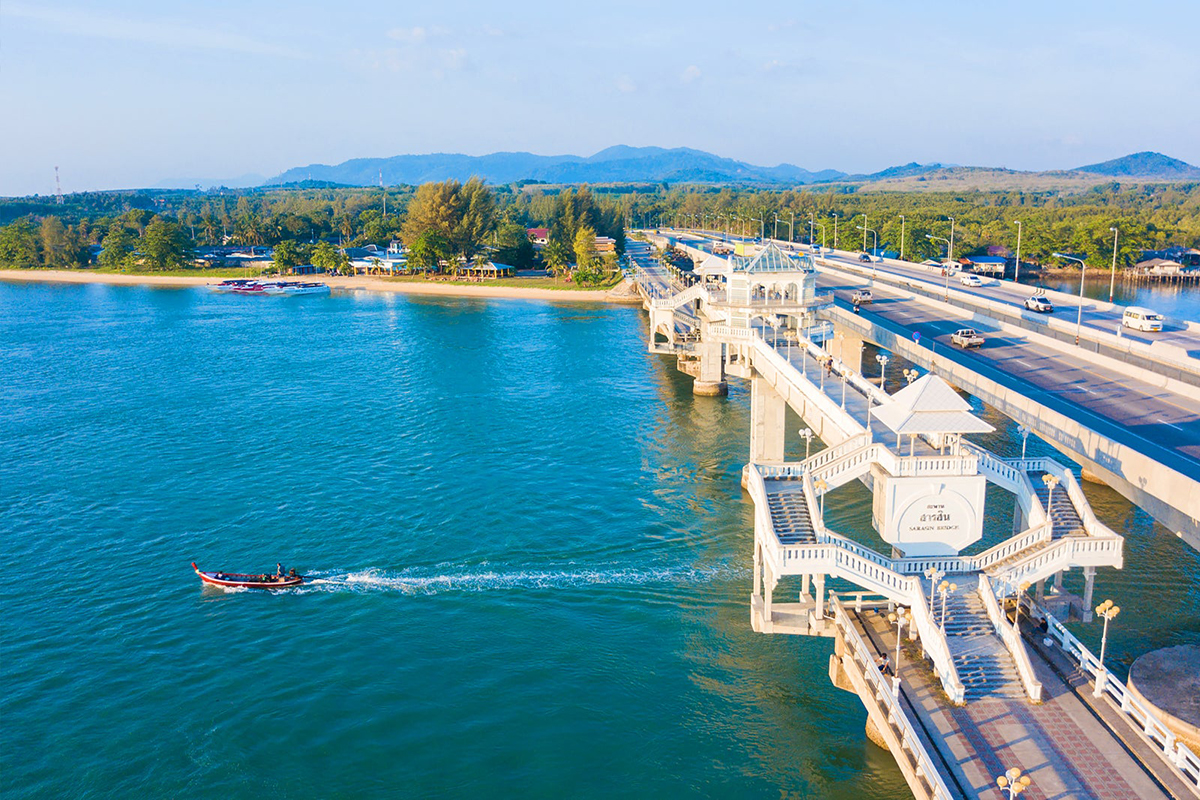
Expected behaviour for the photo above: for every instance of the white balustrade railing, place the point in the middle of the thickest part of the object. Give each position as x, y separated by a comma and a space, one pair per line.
830, 454
1011, 547
1012, 640
888, 706
1178, 754
1059, 555
933, 641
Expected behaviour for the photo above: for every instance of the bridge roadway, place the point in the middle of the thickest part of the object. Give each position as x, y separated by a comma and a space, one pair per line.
1160, 422
1100, 319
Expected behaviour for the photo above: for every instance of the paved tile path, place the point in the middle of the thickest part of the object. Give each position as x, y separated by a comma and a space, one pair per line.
1062, 746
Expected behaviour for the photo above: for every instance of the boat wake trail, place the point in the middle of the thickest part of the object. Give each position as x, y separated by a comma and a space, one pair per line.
428, 582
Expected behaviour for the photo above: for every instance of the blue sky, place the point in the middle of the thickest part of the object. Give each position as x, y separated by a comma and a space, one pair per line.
129, 93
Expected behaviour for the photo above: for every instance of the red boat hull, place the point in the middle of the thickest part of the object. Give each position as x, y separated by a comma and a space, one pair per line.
239, 580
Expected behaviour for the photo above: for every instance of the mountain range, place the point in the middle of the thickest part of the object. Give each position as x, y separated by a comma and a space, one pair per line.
625, 164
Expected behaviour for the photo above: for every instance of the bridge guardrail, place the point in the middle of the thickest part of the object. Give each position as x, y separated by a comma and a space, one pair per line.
1177, 753
888, 706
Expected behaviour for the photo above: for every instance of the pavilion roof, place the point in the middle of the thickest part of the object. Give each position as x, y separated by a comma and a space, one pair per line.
772, 259
929, 406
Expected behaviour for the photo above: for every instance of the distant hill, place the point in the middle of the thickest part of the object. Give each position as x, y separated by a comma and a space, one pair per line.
1146, 165
619, 164
625, 164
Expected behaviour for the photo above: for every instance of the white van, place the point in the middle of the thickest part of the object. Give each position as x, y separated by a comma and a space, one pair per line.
1141, 319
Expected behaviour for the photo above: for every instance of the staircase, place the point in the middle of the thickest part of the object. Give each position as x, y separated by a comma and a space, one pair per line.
790, 515
1059, 508
984, 665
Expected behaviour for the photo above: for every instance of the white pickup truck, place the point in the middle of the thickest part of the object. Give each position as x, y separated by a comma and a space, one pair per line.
966, 337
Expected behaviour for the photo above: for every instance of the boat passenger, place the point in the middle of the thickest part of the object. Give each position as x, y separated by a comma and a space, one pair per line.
292, 573
279, 570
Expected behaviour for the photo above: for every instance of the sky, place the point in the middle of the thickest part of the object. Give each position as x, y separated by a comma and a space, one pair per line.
129, 93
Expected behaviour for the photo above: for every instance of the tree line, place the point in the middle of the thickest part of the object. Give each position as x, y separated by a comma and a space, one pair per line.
1147, 217
445, 225
450, 224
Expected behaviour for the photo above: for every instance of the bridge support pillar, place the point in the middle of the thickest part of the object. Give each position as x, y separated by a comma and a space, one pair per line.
820, 610
847, 346
1040, 593
710, 382
767, 416
1058, 582
1089, 585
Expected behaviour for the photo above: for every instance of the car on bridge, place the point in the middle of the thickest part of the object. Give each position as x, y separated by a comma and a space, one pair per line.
1142, 319
966, 337
1039, 303
970, 280
864, 258
861, 296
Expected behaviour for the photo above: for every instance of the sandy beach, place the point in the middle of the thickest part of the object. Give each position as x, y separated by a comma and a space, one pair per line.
623, 293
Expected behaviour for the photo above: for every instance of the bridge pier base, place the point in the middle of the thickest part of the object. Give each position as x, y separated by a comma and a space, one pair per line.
767, 418
847, 346
1089, 586
710, 382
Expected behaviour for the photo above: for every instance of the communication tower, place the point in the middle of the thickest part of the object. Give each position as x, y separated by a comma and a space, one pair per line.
58, 187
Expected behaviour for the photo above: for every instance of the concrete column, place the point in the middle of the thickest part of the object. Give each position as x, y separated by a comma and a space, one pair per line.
1020, 521
820, 579
1041, 590
758, 565
767, 418
804, 585
1089, 585
848, 349
710, 382
1058, 581
768, 593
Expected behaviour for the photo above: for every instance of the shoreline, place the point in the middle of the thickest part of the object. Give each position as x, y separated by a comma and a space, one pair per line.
362, 282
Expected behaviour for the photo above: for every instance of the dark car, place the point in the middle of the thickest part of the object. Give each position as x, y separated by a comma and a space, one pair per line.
863, 257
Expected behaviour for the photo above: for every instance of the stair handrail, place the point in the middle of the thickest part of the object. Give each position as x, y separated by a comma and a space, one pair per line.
814, 508
1177, 753
1012, 640
933, 641
1039, 534
889, 705
758, 496
831, 454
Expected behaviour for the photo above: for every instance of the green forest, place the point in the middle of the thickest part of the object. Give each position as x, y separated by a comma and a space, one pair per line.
445, 225
450, 223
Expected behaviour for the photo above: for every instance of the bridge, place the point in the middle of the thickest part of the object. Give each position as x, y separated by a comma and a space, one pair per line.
956, 650
1125, 406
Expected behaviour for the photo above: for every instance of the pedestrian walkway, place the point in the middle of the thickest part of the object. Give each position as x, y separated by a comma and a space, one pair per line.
1060, 743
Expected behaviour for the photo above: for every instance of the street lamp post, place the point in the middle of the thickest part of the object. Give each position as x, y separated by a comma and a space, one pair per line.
911, 375
899, 618
1112, 282
934, 576
1017, 592
1024, 430
792, 228
950, 255
875, 235
1082, 271
945, 588
864, 230
835, 221
822, 227
1051, 481
1013, 782
901, 237
822, 487
883, 362
808, 436
845, 372
945, 266
1017, 268
1108, 611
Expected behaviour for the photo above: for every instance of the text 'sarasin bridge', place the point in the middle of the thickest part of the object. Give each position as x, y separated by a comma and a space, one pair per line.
944, 648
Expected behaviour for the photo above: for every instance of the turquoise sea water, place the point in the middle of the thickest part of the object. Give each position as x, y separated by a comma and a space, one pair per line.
531, 547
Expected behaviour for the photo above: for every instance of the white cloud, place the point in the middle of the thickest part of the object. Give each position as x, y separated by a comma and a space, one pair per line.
160, 33
418, 34
690, 74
